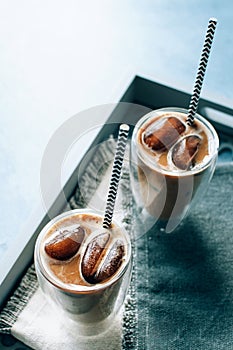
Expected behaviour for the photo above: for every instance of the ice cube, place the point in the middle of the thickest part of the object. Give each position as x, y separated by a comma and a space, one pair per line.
184, 152
165, 135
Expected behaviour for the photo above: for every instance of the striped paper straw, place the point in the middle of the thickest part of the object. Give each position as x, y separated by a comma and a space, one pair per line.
116, 174
201, 70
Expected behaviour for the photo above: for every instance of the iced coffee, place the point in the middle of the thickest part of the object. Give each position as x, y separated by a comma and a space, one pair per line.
171, 163
83, 268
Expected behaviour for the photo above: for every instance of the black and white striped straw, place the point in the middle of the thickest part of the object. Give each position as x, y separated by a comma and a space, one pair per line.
116, 174
201, 70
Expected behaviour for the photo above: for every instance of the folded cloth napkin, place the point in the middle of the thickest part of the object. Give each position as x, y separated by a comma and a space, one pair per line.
181, 294
37, 325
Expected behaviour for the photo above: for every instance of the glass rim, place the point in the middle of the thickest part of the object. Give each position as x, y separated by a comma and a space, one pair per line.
73, 288
179, 172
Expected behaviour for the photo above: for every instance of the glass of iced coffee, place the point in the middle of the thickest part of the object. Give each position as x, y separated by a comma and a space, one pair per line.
84, 269
171, 164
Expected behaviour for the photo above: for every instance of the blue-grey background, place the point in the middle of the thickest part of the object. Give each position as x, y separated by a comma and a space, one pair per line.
60, 57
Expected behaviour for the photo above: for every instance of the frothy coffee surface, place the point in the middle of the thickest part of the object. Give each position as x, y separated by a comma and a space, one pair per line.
171, 144
78, 251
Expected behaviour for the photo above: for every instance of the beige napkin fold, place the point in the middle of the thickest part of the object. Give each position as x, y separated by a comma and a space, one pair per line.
39, 327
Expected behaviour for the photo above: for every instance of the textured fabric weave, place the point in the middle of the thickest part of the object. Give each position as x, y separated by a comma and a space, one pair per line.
185, 279
181, 295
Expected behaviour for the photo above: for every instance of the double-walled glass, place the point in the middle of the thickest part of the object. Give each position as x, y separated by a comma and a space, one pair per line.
90, 305
164, 194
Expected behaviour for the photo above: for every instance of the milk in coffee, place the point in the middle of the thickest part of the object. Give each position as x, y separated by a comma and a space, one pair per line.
172, 159
81, 265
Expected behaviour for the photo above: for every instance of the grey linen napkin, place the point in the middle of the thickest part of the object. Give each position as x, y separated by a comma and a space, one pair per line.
181, 293
184, 280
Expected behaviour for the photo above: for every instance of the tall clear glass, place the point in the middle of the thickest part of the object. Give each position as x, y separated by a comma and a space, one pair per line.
164, 193
85, 286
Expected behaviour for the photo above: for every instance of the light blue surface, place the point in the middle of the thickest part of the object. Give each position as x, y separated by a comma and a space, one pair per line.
60, 57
